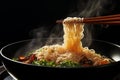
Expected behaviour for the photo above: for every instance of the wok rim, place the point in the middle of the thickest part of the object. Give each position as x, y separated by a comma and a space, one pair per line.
18, 62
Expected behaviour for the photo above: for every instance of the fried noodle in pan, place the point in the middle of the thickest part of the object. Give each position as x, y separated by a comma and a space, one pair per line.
71, 52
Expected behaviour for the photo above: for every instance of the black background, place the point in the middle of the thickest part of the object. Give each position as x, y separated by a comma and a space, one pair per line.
17, 19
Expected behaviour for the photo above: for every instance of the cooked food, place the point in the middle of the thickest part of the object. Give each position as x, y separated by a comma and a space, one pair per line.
70, 54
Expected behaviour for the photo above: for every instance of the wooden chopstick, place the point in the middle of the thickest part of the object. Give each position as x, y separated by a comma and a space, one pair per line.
106, 22
110, 19
108, 16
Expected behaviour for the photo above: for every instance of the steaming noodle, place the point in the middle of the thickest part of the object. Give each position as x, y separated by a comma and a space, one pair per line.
73, 33
71, 50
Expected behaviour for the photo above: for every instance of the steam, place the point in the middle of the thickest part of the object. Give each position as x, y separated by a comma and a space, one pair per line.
40, 32
91, 8
82, 8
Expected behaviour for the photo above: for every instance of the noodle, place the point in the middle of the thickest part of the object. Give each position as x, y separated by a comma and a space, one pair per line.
71, 49
73, 33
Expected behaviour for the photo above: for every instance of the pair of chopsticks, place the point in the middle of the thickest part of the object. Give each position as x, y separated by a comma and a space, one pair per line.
110, 19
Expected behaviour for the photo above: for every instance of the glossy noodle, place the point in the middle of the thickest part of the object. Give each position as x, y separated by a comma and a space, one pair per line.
71, 50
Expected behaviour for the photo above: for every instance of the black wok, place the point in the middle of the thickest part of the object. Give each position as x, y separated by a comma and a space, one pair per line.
31, 72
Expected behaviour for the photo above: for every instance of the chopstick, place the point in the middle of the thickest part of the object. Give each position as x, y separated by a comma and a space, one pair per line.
110, 19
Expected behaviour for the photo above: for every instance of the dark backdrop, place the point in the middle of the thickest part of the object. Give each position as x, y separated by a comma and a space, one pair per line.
17, 19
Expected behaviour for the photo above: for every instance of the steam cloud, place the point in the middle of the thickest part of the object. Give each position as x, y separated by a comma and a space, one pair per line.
91, 8
82, 8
